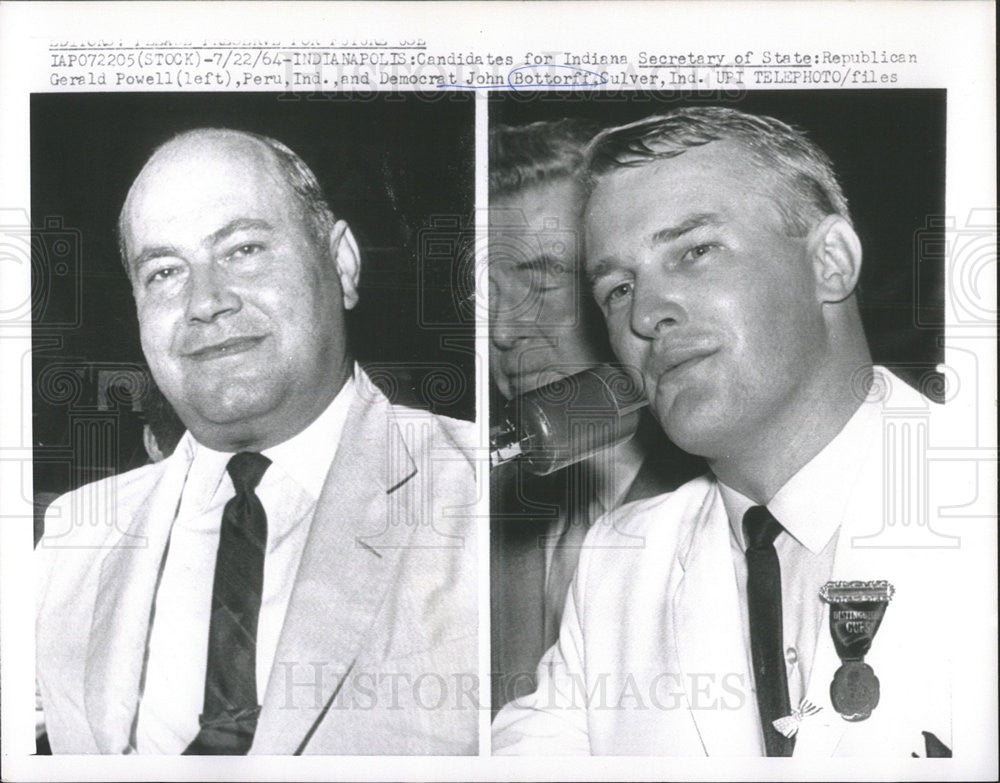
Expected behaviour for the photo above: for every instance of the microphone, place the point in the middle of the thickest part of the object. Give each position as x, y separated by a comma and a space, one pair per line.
568, 420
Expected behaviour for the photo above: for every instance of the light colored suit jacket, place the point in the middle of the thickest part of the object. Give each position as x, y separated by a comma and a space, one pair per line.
522, 592
651, 658
378, 652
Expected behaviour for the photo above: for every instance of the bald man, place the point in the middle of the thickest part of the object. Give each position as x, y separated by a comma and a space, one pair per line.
298, 577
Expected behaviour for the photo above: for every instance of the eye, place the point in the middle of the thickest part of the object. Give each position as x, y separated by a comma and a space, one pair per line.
698, 251
618, 293
246, 250
547, 270
162, 274
554, 277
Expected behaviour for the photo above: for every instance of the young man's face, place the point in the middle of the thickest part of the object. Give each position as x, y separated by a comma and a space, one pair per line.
705, 294
538, 328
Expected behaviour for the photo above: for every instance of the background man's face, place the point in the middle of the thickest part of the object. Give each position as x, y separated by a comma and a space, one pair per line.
538, 331
706, 295
240, 314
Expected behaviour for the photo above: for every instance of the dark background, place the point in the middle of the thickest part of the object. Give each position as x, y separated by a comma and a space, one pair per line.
399, 169
888, 149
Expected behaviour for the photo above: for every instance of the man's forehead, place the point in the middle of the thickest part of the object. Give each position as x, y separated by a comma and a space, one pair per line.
542, 205
720, 171
723, 157
209, 141
202, 168
203, 155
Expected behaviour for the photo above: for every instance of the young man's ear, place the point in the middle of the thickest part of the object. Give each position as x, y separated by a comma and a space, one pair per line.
345, 254
836, 253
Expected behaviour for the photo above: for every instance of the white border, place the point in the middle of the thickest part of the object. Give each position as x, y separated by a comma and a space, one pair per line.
955, 43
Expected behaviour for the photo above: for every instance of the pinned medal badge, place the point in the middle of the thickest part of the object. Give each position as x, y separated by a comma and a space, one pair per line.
856, 612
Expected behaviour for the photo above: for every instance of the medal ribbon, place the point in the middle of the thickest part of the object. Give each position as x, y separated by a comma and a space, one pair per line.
856, 612
853, 625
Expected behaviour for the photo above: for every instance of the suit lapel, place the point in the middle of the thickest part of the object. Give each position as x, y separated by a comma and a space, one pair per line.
708, 631
123, 609
346, 569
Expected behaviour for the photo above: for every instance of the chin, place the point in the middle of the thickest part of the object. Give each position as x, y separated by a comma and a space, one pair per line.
695, 427
233, 402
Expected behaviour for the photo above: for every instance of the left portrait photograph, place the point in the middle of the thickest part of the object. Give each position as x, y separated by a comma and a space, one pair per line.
254, 401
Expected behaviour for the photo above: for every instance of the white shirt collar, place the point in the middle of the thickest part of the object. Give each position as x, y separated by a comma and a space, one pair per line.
306, 457
810, 505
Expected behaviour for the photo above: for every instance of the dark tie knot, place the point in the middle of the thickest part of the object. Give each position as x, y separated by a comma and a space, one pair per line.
760, 528
246, 470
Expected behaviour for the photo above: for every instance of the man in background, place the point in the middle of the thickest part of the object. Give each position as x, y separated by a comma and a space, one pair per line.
544, 327
284, 579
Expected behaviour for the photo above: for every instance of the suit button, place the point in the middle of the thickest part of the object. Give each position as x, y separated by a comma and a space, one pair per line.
791, 656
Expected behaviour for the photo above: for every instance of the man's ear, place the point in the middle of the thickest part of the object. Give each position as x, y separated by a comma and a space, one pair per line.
345, 254
835, 250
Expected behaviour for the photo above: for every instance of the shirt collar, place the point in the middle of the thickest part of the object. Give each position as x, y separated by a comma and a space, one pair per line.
305, 458
810, 505
205, 471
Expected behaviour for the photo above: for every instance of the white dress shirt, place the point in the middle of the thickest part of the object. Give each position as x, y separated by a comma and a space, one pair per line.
177, 654
810, 506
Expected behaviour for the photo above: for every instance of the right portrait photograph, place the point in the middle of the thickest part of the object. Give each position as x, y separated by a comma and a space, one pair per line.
723, 519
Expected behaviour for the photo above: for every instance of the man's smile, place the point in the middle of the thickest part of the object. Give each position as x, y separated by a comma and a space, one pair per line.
229, 347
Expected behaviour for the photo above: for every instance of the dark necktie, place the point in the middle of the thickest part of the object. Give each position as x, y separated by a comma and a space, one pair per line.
766, 645
229, 718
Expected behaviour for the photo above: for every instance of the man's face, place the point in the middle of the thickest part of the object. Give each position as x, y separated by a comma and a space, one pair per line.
240, 313
706, 295
538, 332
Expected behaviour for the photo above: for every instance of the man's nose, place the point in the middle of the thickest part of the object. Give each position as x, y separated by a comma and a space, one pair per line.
507, 333
656, 306
508, 320
209, 294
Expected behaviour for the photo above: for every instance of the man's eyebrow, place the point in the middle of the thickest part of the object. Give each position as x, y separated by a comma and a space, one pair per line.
599, 269
672, 233
240, 224
605, 266
540, 261
151, 253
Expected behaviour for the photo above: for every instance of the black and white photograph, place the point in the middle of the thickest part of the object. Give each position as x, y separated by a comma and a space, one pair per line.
253, 425
498, 391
